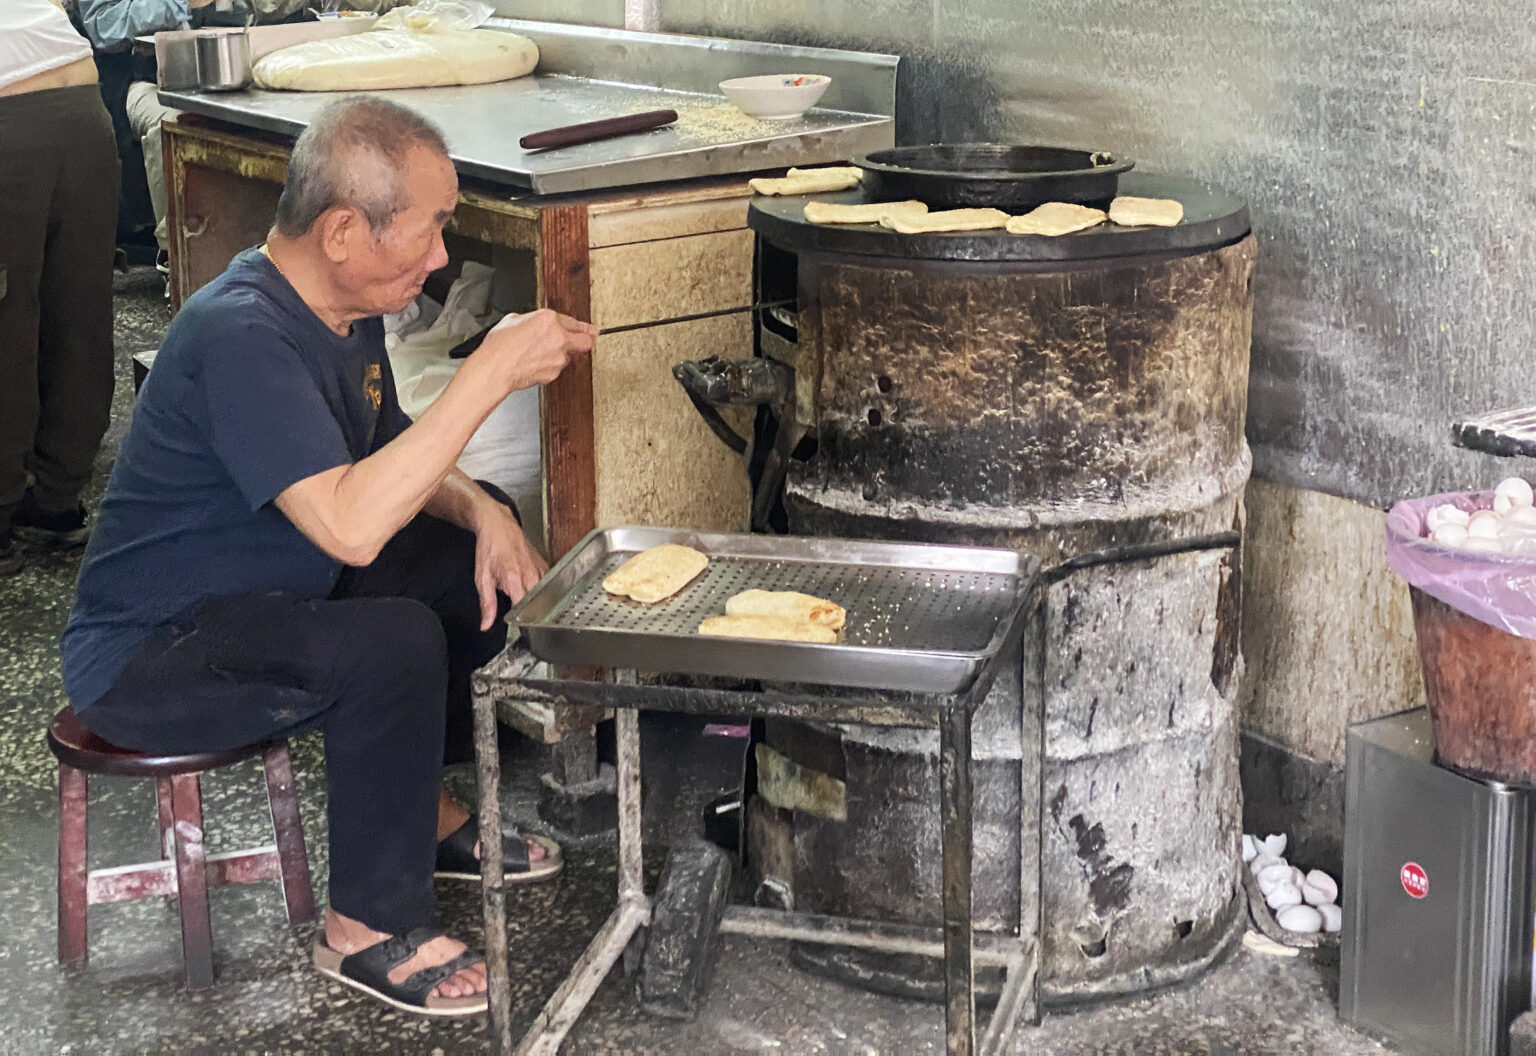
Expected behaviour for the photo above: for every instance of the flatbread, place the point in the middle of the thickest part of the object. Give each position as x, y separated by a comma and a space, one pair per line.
846, 171
788, 604
1056, 218
872, 213
656, 574
1145, 212
398, 58
776, 627
948, 220
809, 181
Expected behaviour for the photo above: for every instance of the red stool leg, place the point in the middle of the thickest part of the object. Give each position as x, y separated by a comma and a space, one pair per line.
192, 880
73, 794
288, 828
166, 820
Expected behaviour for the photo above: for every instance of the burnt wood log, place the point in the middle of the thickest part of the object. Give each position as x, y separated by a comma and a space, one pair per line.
684, 935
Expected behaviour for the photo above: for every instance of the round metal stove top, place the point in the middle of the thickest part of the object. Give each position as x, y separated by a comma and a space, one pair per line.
1212, 218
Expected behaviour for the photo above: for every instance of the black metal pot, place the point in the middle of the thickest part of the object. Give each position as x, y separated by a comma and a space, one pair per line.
955, 175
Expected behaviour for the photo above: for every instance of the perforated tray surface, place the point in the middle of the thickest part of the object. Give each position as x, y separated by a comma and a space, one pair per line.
920, 618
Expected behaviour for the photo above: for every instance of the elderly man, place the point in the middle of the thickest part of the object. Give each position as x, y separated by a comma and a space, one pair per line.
280, 549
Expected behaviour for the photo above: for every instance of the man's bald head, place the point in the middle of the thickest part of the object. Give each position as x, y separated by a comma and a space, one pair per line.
353, 155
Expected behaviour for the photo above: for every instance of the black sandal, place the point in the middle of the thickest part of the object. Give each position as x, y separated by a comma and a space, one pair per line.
456, 858
368, 970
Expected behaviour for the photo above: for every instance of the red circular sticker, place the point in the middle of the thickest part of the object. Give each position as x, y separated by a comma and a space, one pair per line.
1414, 879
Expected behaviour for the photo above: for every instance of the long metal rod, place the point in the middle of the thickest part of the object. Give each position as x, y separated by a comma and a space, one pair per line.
493, 894
955, 820
764, 306
861, 934
1012, 1004
631, 809
569, 1000
565, 1006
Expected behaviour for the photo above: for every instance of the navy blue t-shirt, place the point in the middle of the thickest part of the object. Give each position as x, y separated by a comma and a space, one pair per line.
250, 393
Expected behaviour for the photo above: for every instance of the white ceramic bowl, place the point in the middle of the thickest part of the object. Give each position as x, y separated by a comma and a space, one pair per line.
776, 96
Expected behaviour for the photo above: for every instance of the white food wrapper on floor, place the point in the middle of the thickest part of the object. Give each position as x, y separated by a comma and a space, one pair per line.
507, 448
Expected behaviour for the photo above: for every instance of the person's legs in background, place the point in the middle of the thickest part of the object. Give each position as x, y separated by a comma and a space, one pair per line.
27, 171
74, 320
145, 115
58, 209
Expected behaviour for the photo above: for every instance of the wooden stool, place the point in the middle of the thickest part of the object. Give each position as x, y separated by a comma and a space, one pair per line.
183, 871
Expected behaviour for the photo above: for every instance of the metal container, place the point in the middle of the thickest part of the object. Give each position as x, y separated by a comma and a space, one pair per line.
1480, 682
176, 60
992, 175
1056, 407
1437, 895
223, 61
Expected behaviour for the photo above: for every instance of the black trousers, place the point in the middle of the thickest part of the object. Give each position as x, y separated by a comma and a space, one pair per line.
58, 212
382, 667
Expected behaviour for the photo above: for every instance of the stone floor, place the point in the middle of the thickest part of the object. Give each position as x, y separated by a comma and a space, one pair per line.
129, 998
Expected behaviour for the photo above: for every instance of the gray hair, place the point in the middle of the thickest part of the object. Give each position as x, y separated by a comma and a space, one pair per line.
352, 156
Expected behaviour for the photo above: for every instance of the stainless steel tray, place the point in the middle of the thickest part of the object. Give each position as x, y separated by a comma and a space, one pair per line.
921, 618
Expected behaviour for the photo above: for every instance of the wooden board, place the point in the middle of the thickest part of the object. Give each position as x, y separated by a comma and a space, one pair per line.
656, 462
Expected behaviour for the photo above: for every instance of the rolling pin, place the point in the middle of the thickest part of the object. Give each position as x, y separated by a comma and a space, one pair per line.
589, 131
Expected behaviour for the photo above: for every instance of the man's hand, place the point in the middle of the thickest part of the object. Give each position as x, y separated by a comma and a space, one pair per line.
527, 350
504, 560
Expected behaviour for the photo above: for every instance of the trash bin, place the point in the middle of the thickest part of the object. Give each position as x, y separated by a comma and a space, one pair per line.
1474, 617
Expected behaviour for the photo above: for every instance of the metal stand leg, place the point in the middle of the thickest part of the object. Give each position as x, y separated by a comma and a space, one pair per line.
492, 879
565, 1006
955, 807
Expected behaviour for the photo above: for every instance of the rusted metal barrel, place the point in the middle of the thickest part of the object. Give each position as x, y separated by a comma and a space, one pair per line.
1061, 406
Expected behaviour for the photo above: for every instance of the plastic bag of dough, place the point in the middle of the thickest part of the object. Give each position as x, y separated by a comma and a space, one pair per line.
436, 16
398, 58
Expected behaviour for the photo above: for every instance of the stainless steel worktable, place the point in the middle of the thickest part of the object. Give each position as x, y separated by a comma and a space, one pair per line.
586, 75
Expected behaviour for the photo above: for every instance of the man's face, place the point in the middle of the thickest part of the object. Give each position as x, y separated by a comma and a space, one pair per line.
385, 269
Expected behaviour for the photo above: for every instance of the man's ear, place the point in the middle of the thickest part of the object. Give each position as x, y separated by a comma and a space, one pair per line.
339, 228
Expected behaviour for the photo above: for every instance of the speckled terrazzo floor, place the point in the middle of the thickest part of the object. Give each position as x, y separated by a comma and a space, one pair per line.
129, 997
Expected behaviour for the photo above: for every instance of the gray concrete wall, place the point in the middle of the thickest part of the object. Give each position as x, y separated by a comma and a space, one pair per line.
1386, 147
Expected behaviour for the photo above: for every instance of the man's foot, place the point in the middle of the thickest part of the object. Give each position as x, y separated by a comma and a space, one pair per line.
34, 524
458, 849
346, 936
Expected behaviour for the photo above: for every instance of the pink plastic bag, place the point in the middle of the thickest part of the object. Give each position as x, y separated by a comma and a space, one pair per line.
1499, 589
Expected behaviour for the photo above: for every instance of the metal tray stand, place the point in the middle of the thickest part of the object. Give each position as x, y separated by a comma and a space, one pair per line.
920, 618
929, 629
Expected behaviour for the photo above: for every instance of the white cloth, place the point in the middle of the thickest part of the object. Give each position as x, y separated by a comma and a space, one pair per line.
507, 449
35, 37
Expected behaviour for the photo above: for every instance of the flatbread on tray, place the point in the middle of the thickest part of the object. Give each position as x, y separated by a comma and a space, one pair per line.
656, 574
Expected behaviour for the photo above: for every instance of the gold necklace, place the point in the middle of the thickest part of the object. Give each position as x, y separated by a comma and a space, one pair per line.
267, 252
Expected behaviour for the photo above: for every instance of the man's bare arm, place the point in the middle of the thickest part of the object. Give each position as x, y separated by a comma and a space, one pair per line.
350, 512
